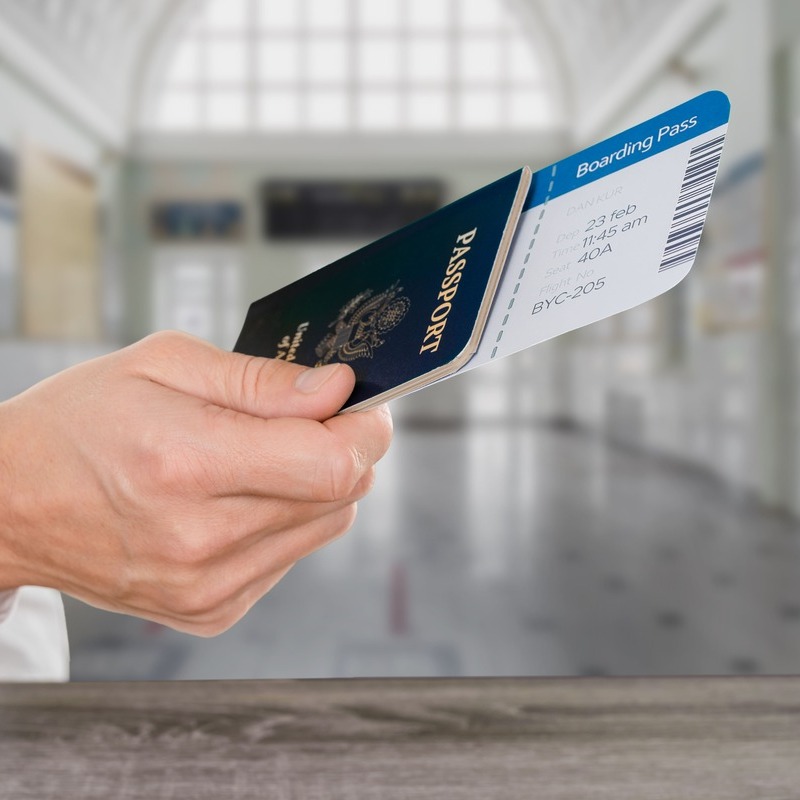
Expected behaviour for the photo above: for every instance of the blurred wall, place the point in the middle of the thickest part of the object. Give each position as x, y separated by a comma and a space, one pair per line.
662, 377
782, 373
29, 118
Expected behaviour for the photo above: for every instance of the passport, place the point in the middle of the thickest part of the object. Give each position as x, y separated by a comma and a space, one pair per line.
403, 311
524, 259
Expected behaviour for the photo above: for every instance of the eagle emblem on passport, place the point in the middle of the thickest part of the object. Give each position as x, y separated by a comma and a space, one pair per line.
361, 325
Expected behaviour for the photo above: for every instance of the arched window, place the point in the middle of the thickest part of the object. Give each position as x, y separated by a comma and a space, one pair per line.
278, 66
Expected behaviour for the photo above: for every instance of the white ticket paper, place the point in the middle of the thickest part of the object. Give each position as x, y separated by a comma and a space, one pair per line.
608, 228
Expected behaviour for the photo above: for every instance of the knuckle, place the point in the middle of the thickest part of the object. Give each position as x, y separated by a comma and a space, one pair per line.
252, 374
364, 485
193, 551
175, 467
219, 619
323, 531
162, 342
155, 353
196, 602
187, 545
386, 425
345, 520
165, 470
340, 474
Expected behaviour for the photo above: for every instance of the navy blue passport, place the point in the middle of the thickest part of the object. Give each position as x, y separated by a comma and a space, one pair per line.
404, 311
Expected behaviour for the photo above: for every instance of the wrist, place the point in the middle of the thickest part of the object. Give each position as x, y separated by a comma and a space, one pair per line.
13, 522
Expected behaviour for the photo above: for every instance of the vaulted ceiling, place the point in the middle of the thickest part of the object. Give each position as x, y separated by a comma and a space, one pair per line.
97, 44
101, 49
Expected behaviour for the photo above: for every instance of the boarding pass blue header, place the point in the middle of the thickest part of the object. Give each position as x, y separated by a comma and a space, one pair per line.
674, 127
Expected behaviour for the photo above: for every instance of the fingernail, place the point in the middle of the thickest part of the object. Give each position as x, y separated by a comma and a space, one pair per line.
312, 380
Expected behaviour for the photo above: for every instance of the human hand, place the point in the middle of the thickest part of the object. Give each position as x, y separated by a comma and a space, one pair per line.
179, 482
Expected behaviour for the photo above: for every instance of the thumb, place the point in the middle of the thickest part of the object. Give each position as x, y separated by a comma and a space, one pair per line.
261, 387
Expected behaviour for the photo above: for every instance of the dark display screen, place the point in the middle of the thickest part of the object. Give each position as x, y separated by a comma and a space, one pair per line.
340, 209
193, 220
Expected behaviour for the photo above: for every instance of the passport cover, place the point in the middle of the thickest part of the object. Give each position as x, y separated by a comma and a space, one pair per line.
403, 311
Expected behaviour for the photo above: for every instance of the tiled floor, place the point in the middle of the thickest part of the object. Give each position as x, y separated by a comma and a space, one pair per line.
506, 551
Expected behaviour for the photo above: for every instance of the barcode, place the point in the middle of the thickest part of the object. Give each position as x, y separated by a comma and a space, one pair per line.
690, 213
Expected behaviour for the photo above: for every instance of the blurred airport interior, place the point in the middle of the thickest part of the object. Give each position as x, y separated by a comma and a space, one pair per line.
621, 500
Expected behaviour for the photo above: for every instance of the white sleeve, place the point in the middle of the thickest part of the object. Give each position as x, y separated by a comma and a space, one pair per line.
33, 635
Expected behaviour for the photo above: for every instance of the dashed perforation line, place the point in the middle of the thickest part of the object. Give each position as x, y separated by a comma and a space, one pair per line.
525, 260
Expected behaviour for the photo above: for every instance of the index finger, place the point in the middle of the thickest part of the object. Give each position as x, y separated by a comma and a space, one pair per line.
297, 459
369, 432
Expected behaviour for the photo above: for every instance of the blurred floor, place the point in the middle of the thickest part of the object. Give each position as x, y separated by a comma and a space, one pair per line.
590, 560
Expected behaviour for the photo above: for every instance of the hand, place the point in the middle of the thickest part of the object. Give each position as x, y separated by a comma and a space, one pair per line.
179, 482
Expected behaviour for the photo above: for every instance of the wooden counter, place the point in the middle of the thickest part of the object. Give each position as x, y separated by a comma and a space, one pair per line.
615, 738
